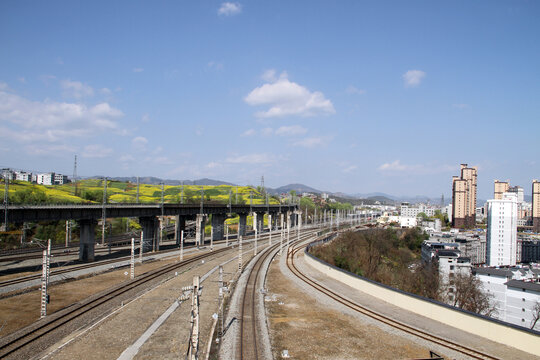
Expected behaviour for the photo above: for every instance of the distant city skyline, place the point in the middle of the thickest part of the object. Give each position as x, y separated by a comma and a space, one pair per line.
353, 97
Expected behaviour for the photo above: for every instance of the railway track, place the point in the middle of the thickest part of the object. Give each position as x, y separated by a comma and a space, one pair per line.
28, 336
293, 250
248, 344
37, 276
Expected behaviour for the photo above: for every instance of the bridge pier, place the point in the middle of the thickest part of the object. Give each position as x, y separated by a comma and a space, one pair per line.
150, 229
199, 229
291, 218
242, 222
180, 225
87, 239
259, 221
218, 230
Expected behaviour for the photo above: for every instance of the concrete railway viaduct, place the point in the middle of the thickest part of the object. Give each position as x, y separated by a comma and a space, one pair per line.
148, 214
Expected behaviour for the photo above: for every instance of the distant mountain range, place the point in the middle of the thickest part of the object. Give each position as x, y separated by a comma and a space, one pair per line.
156, 181
299, 189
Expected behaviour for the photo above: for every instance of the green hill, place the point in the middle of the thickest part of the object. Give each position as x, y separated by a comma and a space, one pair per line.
90, 191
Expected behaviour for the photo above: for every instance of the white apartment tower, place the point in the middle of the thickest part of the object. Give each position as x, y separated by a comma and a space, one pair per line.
502, 231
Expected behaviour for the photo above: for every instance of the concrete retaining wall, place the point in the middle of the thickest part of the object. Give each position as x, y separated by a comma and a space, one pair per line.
512, 336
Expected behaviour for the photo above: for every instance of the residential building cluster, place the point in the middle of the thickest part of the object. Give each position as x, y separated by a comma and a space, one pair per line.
50, 178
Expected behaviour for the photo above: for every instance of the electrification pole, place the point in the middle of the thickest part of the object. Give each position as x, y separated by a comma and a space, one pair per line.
103, 211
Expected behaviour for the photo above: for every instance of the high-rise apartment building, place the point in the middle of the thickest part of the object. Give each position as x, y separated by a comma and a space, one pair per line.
501, 239
500, 188
536, 205
464, 198
519, 191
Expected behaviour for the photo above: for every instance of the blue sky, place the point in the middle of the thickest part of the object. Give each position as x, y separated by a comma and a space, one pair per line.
351, 96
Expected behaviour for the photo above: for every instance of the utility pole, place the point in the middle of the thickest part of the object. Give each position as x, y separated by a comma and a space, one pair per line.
193, 353
288, 230
270, 228
226, 233
137, 198
255, 225
182, 194
68, 232
45, 279
240, 265
181, 245
44, 295
75, 175
281, 235
132, 260
141, 247
237, 195
6, 199
221, 305
202, 199
103, 212
160, 239
212, 237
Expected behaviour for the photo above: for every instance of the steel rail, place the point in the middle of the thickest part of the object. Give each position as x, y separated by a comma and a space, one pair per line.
378, 316
248, 343
33, 332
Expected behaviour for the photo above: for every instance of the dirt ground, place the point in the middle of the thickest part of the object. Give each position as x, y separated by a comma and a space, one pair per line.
310, 331
23, 309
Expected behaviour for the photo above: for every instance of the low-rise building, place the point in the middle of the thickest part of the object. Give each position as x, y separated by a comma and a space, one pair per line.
60, 179
514, 291
45, 179
23, 176
522, 297
408, 221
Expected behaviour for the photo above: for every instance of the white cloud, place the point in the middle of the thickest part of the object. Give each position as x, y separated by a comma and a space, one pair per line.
96, 151
354, 90
138, 70
397, 167
413, 78
350, 169
22, 79
288, 98
214, 165
251, 159
291, 130
139, 142
269, 75
230, 8
249, 132
49, 149
145, 118
55, 121
460, 106
3, 86
76, 89
312, 142
106, 91
126, 158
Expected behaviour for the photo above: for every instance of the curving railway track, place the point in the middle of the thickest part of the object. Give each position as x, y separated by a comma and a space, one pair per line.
249, 345
472, 353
